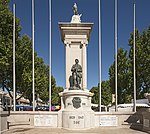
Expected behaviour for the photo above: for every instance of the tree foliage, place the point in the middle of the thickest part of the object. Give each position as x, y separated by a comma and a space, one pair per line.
125, 68
6, 28
142, 61
95, 98
105, 91
55, 95
23, 61
125, 83
123, 80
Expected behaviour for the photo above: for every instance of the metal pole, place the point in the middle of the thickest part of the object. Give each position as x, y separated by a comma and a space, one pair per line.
33, 90
50, 54
134, 63
14, 73
99, 55
116, 49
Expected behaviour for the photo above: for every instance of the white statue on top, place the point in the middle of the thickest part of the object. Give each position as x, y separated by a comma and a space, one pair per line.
76, 16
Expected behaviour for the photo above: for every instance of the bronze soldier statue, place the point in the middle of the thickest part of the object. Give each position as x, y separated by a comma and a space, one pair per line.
76, 75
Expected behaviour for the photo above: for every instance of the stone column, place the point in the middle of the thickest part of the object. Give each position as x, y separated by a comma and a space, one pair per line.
84, 65
67, 45
75, 37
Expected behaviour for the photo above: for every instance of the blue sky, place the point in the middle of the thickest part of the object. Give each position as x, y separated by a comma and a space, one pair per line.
62, 12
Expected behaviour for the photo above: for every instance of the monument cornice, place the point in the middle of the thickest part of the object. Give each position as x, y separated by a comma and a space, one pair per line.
67, 28
76, 92
75, 24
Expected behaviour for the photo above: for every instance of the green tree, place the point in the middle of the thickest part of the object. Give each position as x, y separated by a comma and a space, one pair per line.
95, 98
142, 62
125, 68
23, 61
6, 27
105, 93
123, 81
55, 96
24, 65
55, 93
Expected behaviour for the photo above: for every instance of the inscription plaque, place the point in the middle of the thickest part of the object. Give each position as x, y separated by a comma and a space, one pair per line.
108, 121
45, 120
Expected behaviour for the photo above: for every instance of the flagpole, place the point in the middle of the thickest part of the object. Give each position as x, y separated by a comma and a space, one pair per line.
116, 49
50, 55
14, 73
100, 57
134, 61
33, 90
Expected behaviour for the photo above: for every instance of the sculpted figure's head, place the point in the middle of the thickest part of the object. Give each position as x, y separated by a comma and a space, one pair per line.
76, 61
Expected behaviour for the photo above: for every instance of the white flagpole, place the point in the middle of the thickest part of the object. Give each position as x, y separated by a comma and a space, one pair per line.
50, 54
33, 90
116, 49
134, 62
100, 57
14, 73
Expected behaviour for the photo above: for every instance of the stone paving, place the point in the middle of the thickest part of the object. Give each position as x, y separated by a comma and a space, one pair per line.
105, 130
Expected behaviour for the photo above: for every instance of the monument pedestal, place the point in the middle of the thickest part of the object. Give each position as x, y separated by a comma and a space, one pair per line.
77, 113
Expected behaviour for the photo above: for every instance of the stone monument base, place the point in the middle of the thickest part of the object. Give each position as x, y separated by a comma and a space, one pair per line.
77, 119
76, 110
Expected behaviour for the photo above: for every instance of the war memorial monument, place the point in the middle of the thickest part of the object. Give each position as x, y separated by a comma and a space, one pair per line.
75, 112
76, 99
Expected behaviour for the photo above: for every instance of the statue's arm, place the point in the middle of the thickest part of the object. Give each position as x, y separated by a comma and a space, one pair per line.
73, 69
80, 69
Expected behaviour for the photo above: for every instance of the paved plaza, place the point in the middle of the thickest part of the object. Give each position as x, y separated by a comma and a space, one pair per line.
104, 130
